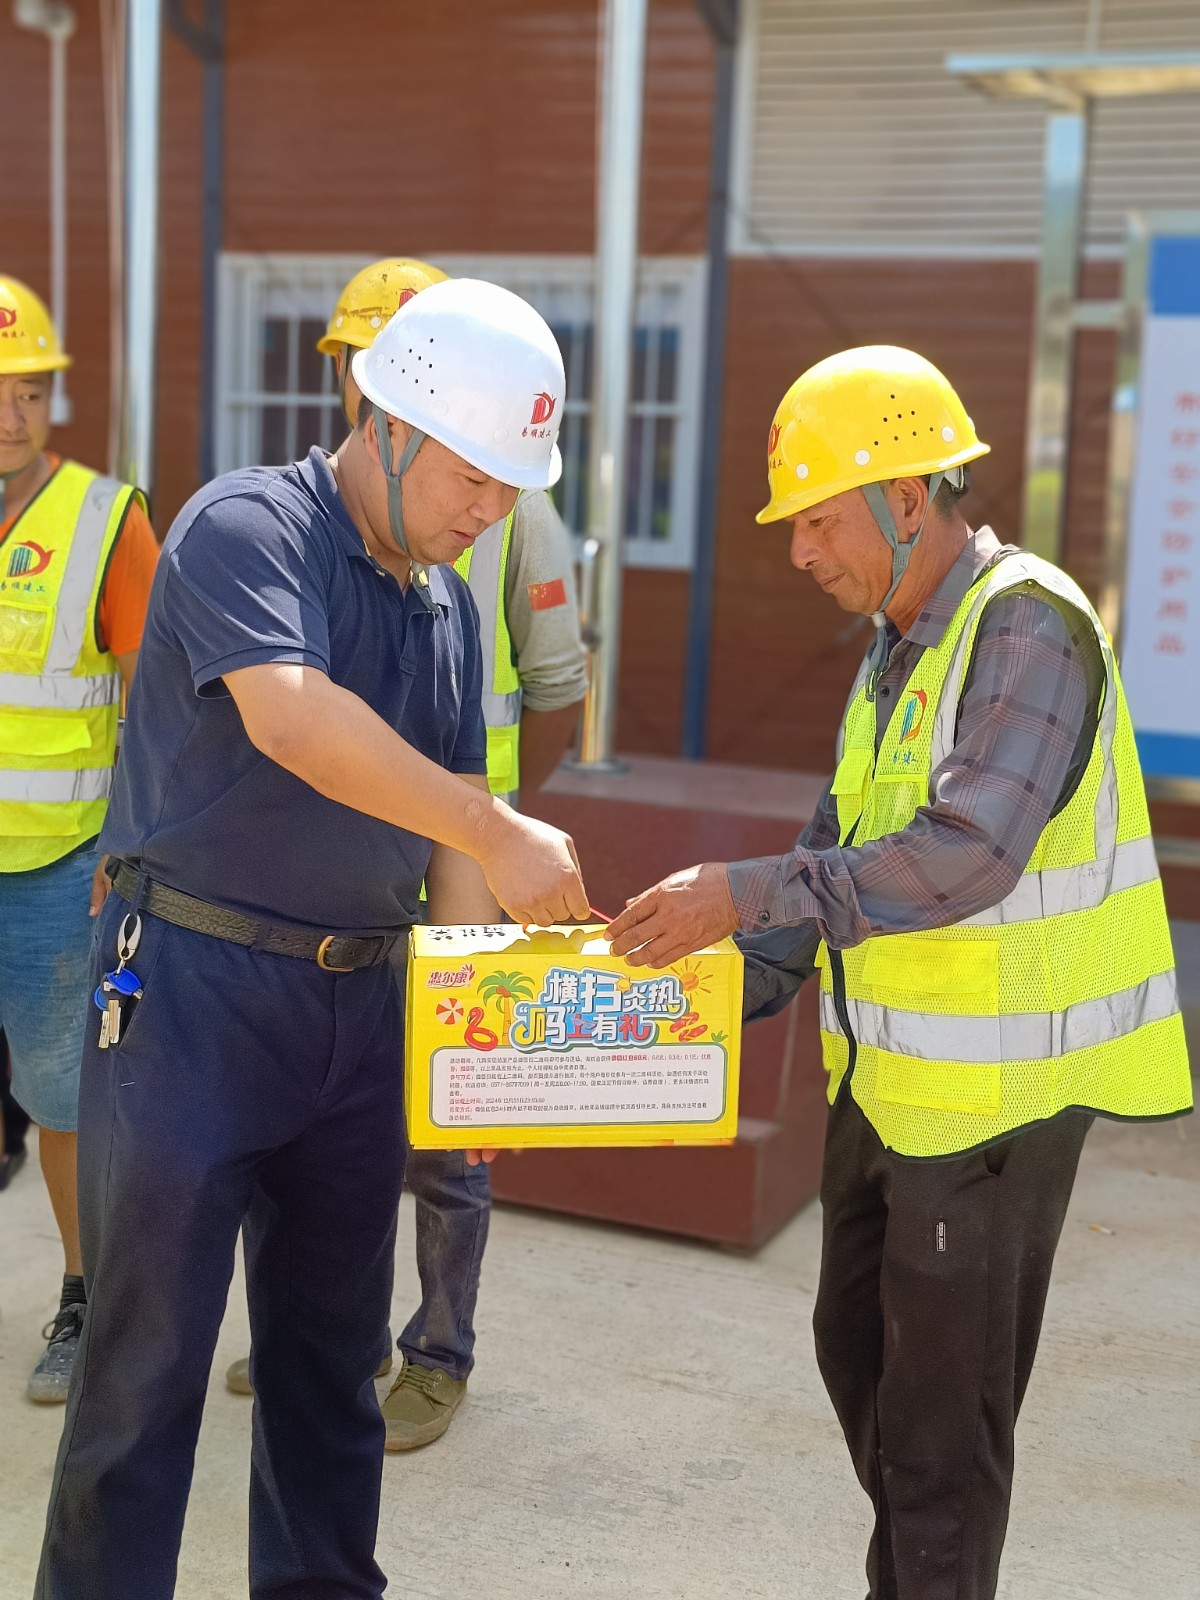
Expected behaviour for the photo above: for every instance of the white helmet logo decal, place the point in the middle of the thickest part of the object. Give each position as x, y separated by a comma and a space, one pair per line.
543, 408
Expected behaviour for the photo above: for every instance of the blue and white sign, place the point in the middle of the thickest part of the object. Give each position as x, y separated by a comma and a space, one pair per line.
1160, 655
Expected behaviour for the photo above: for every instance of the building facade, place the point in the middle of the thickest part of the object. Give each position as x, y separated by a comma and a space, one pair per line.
874, 200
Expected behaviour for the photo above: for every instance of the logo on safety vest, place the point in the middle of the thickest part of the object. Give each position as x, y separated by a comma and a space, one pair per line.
7, 317
914, 714
28, 559
543, 408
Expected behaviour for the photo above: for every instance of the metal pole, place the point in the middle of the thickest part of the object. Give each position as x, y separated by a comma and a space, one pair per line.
143, 90
1049, 421
617, 194
57, 21
60, 404
214, 207
724, 23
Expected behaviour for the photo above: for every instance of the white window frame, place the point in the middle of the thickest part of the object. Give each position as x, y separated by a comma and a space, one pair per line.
306, 285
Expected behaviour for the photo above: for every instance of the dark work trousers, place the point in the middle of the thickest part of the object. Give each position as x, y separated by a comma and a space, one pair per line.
245, 1086
454, 1208
933, 1282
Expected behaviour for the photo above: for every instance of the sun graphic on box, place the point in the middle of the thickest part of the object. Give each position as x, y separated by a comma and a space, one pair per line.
692, 978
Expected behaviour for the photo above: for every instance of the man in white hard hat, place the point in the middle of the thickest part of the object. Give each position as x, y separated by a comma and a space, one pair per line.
520, 574
308, 748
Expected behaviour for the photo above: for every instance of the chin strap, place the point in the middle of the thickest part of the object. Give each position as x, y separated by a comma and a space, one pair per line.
395, 489
877, 656
341, 371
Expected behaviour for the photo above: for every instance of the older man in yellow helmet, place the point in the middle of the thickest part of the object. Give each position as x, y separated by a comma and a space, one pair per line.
520, 574
77, 558
979, 891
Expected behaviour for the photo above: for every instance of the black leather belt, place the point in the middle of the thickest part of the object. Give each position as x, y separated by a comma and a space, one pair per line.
335, 952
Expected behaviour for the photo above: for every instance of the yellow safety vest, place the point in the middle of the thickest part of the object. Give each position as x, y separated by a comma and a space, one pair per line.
59, 689
484, 567
1064, 994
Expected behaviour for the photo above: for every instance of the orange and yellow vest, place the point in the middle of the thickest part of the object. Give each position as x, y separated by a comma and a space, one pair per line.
60, 689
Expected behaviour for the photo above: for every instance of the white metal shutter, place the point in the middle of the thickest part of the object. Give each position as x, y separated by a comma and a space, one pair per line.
854, 139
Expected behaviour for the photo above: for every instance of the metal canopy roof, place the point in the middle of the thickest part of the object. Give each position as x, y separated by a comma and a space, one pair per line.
1070, 80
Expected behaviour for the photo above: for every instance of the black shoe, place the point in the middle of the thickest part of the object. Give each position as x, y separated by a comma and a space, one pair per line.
10, 1165
51, 1378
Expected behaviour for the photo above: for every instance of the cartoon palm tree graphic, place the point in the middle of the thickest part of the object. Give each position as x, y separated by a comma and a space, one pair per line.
502, 988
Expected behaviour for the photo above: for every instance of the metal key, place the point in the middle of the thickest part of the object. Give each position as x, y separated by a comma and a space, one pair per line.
104, 1040
112, 1018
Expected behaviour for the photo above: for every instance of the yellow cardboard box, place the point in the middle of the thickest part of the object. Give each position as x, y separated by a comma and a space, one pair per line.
547, 1038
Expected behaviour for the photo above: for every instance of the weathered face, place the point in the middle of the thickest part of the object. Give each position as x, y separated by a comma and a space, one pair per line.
839, 542
24, 420
447, 502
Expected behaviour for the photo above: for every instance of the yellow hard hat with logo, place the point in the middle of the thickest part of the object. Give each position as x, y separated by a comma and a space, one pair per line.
371, 298
28, 340
865, 415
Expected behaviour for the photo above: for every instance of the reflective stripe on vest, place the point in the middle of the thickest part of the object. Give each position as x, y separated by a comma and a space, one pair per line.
59, 691
484, 568
56, 787
1062, 995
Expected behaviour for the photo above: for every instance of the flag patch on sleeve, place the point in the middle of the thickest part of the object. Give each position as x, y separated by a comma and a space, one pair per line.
545, 596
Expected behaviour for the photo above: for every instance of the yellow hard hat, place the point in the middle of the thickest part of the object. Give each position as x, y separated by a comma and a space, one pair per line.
863, 416
370, 299
28, 341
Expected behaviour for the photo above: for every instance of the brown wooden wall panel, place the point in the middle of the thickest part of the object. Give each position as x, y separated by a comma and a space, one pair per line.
785, 654
25, 240
458, 127
653, 648
25, 208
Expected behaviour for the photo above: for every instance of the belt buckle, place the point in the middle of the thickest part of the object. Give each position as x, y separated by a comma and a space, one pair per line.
322, 951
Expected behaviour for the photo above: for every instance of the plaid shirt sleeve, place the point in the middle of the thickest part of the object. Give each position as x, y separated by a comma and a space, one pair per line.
778, 960
1030, 700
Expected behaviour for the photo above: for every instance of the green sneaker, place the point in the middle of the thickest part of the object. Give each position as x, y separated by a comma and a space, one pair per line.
420, 1406
237, 1377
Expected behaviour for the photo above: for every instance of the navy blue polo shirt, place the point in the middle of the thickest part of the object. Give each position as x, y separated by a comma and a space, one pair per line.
265, 565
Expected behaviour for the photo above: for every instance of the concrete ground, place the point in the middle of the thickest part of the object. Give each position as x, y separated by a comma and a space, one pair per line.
646, 1421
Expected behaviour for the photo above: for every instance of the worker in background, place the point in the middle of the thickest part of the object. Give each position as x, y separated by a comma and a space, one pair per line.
979, 892
305, 749
14, 1123
77, 558
520, 573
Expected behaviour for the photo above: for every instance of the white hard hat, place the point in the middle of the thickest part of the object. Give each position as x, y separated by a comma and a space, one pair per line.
476, 368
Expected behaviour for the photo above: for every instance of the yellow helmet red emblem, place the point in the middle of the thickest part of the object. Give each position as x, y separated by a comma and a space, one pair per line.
28, 339
372, 297
862, 416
